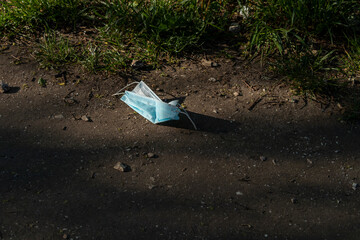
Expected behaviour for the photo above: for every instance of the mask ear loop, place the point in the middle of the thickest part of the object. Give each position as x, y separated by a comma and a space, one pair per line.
187, 115
120, 91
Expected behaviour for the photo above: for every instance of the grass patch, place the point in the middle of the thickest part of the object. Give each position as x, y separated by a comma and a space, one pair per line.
20, 17
351, 59
279, 24
162, 27
149, 30
55, 51
307, 40
109, 59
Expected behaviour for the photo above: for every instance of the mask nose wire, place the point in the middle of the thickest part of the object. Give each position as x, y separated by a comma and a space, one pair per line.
120, 91
187, 115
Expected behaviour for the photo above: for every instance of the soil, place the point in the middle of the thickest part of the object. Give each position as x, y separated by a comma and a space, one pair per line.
263, 164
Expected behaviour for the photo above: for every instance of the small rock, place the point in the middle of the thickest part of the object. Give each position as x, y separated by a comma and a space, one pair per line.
234, 28
65, 236
236, 94
212, 79
206, 63
309, 161
4, 88
122, 167
86, 118
214, 111
59, 116
263, 158
274, 162
355, 186
150, 155
159, 89
152, 186
214, 64
294, 200
238, 193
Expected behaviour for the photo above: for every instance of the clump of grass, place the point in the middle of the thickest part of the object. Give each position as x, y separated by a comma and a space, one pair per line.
55, 51
277, 24
148, 29
292, 34
33, 15
96, 58
162, 26
91, 58
351, 59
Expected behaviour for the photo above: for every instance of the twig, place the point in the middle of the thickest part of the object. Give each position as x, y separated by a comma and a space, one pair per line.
16, 58
259, 99
248, 85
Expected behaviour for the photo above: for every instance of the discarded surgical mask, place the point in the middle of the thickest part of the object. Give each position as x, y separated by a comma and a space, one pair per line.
144, 101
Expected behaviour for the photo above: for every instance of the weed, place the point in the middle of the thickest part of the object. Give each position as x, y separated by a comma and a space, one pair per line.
351, 59
91, 58
55, 51
96, 58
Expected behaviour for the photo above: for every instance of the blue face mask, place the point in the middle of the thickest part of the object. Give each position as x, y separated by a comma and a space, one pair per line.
144, 101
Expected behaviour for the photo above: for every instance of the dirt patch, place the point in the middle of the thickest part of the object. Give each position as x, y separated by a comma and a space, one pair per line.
263, 164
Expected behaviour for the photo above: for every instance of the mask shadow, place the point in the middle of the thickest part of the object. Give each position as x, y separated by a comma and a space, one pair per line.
203, 123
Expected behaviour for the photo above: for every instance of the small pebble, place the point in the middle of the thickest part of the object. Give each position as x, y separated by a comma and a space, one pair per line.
122, 167
85, 118
263, 158
236, 94
206, 63
65, 236
238, 193
212, 79
355, 186
150, 155
214, 64
59, 116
